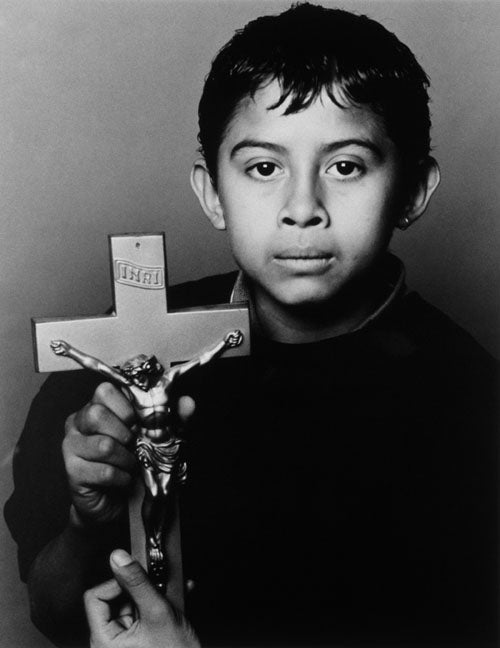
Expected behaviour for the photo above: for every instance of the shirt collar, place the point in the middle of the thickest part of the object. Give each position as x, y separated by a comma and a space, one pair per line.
393, 278
240, 292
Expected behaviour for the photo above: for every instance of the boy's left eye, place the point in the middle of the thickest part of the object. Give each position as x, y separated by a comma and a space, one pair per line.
264, 170
345, 169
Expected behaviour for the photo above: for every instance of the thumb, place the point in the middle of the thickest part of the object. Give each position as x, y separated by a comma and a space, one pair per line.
186, 407
135, 582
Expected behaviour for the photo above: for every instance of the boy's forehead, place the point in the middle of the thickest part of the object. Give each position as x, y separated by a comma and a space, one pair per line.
322, 120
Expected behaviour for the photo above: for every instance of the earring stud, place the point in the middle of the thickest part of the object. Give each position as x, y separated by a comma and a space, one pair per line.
404, 223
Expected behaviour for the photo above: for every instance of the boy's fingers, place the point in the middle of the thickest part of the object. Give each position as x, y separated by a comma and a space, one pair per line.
134, 580
101, 448
97, 606
95, 474
127, 616
186, 408
113, 398
96, 418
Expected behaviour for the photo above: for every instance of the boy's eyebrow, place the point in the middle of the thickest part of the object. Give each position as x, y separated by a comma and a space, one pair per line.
251, 143
331, 147
354, 141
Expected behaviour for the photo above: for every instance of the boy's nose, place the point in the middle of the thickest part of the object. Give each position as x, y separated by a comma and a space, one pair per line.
303, 208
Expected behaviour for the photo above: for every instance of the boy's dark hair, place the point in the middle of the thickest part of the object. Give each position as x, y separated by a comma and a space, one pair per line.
309, 48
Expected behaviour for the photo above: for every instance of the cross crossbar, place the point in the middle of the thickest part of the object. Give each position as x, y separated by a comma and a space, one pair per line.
140, 321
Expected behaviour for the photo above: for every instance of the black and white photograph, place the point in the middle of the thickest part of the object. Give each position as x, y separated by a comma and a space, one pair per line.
250, 323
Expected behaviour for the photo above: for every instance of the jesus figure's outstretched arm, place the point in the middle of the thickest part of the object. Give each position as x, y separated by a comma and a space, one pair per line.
231, 340
61, 347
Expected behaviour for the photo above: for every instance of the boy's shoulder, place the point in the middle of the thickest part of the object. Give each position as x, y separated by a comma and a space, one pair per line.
433, 334
425, 328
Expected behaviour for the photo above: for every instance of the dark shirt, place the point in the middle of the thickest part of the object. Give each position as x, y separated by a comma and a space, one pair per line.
343, 490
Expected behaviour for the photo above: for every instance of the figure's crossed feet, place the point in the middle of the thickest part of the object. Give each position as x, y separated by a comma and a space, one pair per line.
156, 556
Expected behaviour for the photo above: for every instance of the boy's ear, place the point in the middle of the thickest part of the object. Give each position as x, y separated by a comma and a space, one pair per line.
202, 185
425, 186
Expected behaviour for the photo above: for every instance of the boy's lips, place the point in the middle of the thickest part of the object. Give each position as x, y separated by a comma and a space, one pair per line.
299, 252
304, 259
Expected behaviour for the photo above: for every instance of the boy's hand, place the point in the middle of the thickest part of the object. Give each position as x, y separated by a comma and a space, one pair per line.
98, 455
129, 613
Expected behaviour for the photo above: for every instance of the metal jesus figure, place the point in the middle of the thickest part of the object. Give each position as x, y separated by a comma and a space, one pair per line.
158, 448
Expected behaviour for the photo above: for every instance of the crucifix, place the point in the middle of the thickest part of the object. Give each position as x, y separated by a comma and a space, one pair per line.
155, 347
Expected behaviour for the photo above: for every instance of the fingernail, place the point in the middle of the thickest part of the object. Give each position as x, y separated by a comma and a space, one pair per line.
121, 558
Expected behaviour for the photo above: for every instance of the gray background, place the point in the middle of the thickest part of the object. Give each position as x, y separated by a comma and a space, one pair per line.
98, 132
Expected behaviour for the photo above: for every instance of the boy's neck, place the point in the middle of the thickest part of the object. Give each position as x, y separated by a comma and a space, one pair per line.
343, 314
301, 325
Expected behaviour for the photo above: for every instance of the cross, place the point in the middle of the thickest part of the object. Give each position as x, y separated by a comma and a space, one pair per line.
141, 323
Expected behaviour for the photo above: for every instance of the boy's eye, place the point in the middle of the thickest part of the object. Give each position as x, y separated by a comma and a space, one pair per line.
263, 170
345, 169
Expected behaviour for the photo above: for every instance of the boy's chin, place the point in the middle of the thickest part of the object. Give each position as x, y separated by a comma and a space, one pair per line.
304, 296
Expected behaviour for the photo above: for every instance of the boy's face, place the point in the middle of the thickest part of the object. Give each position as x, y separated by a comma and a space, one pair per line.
309, 199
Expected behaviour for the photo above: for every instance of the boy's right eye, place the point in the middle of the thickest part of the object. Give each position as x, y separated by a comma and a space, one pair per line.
264, 170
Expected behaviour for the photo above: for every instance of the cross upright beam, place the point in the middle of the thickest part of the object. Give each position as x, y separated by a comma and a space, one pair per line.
142, 324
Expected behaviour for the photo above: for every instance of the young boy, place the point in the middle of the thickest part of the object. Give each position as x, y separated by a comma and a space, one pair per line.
342, 480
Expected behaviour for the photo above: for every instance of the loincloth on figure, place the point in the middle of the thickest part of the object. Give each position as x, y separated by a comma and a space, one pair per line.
160, 457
